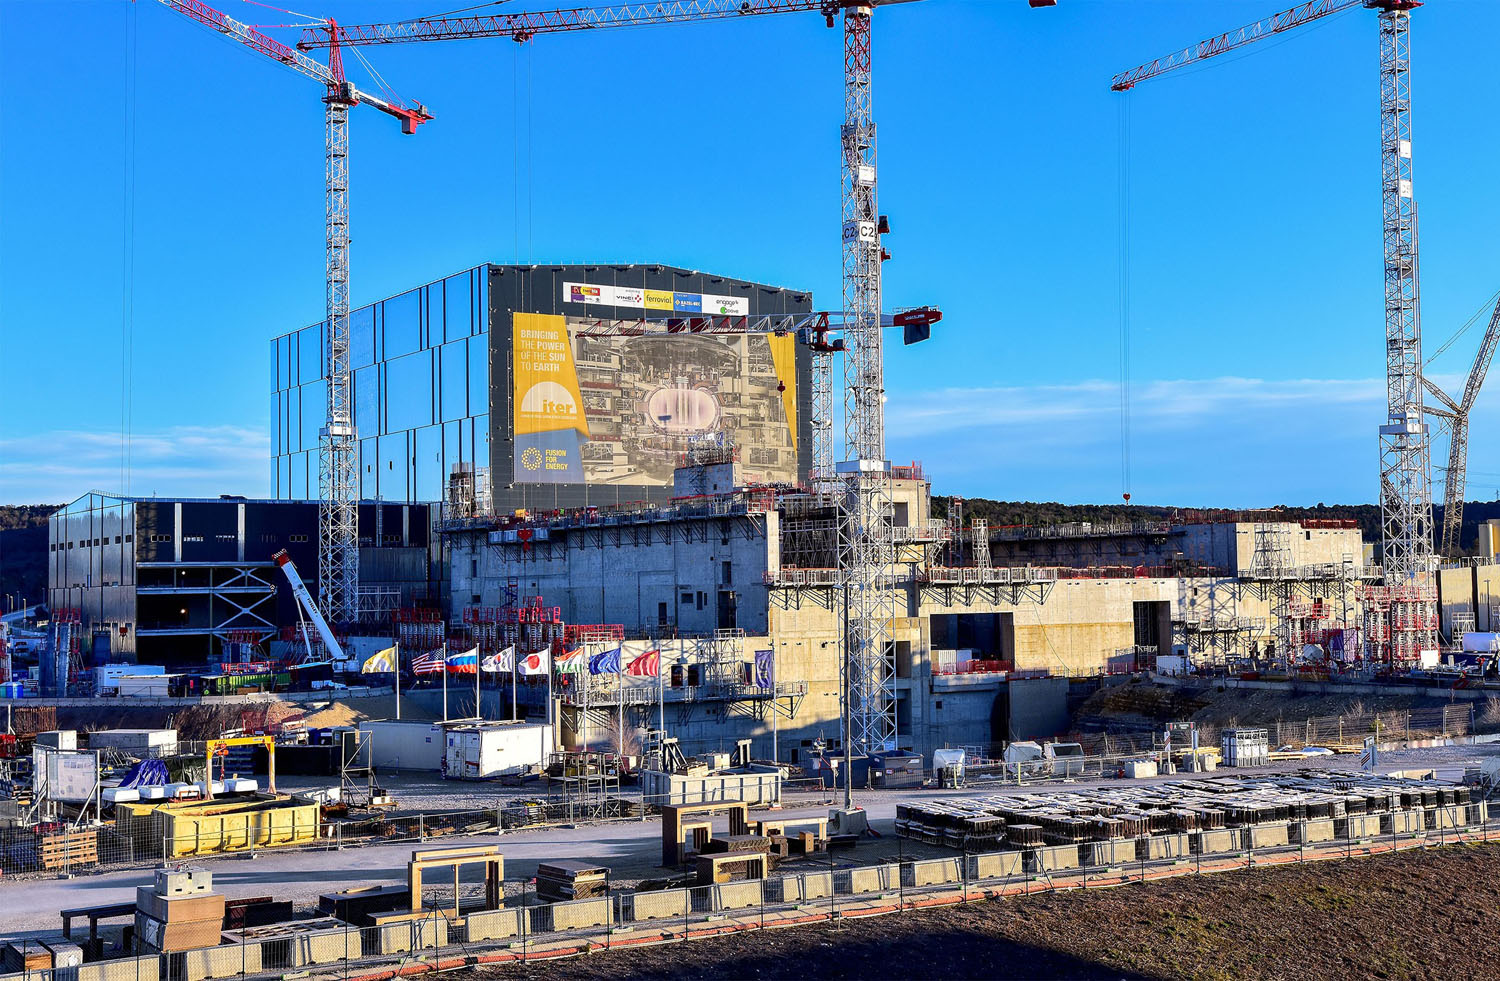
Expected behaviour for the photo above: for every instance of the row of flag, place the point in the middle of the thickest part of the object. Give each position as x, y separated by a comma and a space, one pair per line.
647, 665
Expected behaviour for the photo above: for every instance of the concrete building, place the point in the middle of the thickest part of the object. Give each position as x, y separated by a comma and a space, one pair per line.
714, 579
171, 581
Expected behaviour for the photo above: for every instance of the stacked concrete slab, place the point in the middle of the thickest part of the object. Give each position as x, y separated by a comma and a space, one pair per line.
179, 911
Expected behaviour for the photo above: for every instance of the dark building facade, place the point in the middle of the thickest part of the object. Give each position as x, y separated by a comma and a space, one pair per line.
491, 389
172, 581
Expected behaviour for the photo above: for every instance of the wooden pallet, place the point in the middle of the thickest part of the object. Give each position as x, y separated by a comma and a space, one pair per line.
61, 851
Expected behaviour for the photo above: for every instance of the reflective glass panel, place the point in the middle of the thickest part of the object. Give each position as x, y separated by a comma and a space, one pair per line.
310, 354
403, 325
408, 388
434, 323
481, 441
298, 487
392, 467
362, 337
367, 401
314, 412
429, 464
369, 459
278, 432
455, 380
458, 302
479, 374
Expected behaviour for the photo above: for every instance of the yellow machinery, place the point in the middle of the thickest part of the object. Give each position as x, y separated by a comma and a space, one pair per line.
220, 748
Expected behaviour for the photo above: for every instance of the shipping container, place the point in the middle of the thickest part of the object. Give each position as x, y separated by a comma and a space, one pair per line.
486, 750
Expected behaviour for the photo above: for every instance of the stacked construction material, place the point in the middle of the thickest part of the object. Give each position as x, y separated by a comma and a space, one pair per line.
563, 879
179, 911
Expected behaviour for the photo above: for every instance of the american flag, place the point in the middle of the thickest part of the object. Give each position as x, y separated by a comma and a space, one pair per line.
429, 663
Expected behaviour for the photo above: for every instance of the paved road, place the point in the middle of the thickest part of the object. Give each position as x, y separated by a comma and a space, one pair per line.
630, 849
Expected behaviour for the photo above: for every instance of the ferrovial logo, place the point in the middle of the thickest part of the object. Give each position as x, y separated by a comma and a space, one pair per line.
549, 399
531, 458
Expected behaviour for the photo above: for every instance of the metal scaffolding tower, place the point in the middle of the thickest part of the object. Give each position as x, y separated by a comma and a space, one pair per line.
866, 548
1405, 465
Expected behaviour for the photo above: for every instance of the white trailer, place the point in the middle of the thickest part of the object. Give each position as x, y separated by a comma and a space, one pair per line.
485, 750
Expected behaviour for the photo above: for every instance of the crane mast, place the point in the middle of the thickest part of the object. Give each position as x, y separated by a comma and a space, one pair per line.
338, 484
1457, 414
1405, 447
866, 544
1402, 613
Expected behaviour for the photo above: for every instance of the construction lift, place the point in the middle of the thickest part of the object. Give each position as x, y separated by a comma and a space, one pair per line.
338, 475
305, 605
866, 540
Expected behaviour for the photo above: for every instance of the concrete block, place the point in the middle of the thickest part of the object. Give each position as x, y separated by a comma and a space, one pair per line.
1403, 822
1217, 842
994, 865
579, 914
876, 878
325, 947
1102, 853
219, 962
657, 905
932, 872
495, 924
404, 935
1163, 846
1267, 836
1052, 859
735, 895
1451, 817
146, 968
1312, 832
816, 885
1359, 826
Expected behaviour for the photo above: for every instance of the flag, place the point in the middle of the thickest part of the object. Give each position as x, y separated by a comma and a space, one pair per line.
765, 669
381, 662
648, 665
536, 662
502, 662
429, 663
466, 662
605, 662
572, 662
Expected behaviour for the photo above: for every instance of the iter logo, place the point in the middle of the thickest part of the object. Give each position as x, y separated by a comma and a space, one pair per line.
551, 400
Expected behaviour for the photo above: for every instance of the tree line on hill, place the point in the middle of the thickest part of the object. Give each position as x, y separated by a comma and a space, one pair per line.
23, 550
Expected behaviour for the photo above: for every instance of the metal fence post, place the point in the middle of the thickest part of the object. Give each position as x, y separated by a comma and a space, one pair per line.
421, 827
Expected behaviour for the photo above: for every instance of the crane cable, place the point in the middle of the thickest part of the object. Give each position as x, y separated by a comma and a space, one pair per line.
127, 253
1123, 288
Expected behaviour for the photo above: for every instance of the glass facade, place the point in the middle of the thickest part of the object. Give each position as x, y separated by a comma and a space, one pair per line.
421, 372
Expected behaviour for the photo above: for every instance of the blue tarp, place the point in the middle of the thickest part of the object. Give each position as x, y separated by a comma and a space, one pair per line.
147, 773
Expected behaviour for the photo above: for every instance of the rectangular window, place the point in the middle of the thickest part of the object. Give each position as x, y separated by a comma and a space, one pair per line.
473, 567
434, 333
727, 574
454, 370
311, 363
408, 389
362, 337
458, 307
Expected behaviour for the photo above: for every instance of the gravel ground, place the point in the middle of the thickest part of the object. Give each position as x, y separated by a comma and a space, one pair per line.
1413, 915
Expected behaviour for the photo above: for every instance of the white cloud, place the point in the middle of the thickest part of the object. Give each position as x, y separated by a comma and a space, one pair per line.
183, 461
1229, 441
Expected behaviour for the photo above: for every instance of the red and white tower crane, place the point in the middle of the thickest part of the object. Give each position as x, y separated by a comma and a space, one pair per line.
867, 546
338, 474
1405, 447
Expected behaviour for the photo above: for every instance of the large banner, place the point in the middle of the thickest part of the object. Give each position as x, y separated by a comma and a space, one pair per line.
623, 409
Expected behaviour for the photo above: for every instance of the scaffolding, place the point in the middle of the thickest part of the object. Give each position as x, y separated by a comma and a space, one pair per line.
1401, 623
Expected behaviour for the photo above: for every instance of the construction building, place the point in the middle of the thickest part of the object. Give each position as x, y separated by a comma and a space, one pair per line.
179, 581
715, 581
506, 387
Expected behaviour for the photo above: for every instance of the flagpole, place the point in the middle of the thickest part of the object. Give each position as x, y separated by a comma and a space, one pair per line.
398, 681
513, 714
583, 679
445, 680
478, 712
620, 697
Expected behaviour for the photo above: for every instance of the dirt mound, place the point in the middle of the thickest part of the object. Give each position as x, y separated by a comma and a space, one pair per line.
1290, 922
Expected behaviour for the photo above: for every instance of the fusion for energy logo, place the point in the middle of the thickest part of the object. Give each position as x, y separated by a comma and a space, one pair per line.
531, 458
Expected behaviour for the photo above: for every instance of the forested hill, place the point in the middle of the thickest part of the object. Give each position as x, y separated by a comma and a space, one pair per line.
1003, 513
23, 550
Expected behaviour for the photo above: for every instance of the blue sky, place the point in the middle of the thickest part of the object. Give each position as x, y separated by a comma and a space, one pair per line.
1256, 328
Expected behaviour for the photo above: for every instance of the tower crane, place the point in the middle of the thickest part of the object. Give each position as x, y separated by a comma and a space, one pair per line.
1457, 414
1405, 447
866, 542
338, 486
